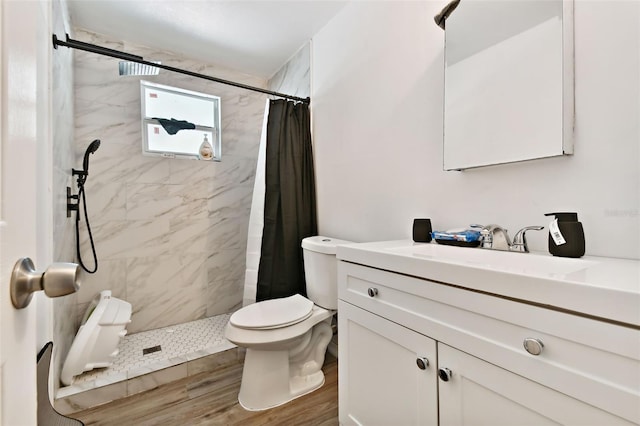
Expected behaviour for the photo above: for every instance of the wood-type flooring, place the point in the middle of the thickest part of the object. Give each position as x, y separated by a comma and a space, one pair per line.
211, 398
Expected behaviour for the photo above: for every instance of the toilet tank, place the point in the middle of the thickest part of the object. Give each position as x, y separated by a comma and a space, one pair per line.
320, 270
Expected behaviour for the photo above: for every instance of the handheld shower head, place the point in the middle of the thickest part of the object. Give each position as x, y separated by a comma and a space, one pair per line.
93, 147
81, 197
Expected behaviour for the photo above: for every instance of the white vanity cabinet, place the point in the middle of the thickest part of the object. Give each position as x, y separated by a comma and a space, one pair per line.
587, 371
392, 377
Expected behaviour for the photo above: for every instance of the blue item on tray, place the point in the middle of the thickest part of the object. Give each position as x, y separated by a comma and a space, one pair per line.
458, 237
466, 235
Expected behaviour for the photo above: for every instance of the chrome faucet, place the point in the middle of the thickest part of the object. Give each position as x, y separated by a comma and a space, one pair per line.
520, 240
496, 237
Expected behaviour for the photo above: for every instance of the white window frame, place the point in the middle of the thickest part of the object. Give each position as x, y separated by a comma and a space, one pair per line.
216, 141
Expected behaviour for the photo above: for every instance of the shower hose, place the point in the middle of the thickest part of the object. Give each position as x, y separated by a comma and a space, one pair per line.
83, 199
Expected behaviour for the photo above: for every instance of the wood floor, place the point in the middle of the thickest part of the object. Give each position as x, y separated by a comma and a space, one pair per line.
211, 399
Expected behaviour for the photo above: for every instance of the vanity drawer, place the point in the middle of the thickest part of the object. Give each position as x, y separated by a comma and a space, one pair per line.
591, 360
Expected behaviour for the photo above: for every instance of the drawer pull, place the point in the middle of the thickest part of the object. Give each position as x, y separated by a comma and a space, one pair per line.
445, 374
373, 292
422, 362
533, 346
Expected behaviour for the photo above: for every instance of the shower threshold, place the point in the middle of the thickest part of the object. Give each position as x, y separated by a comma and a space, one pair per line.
151, 358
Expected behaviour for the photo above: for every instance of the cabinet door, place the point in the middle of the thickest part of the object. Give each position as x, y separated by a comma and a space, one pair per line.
381, 381
479, 393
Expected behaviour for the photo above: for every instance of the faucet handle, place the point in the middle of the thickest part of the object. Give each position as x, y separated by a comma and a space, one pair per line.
486, 233
520, 240
486, 237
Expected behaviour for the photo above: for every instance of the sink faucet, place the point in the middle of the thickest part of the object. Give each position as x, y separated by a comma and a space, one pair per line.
496, 237
520, 240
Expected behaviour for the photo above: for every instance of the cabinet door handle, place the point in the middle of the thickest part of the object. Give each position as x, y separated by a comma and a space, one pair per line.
444, 374
533, 346
422, 363
372, 291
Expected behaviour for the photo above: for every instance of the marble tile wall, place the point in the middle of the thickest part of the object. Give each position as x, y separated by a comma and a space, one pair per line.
294, 78
170, 234
63, 161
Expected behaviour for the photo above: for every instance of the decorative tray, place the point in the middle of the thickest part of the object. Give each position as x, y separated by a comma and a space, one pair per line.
458, 243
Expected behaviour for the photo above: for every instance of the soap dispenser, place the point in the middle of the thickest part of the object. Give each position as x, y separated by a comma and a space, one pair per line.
566, 235
206, 150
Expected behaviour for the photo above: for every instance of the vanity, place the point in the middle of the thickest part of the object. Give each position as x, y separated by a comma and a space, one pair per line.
441, 335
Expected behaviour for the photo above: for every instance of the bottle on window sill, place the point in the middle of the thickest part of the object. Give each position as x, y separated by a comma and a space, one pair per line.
206, 150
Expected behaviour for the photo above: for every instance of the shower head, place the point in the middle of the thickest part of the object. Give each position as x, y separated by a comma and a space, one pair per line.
93, 147
127, 68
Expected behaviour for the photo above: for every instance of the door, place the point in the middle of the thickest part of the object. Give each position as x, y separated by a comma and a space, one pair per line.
381, 381
479, 393
23, 186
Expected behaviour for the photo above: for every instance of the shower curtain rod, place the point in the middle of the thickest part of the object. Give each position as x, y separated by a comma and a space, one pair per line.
88, 47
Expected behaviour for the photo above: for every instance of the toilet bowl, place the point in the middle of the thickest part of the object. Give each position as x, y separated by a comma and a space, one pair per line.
286, 339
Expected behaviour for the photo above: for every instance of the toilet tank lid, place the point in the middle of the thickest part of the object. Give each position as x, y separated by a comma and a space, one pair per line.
322, 244
273, 313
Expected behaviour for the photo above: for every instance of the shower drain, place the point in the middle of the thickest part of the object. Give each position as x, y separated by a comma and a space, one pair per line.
152, 349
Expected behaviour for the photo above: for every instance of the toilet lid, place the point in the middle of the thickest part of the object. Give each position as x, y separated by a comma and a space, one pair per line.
273, 313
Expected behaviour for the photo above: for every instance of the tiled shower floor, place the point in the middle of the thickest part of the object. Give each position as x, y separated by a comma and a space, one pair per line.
178, 344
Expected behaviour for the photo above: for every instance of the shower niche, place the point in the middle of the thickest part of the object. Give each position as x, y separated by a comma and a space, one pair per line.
179, 123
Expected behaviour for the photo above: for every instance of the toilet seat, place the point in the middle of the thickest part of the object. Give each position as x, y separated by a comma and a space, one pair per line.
274, 313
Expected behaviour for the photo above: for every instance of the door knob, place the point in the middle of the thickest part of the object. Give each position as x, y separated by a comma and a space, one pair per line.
58, 280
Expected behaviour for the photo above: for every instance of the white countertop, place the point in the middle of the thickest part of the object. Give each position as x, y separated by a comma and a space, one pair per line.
607, 288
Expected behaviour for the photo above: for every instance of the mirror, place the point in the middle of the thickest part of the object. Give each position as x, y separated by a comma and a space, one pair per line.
508, 82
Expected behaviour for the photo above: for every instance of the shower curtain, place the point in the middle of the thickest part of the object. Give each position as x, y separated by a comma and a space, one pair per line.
256, 220
290, 200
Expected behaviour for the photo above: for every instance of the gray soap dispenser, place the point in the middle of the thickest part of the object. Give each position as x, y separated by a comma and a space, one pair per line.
566, 235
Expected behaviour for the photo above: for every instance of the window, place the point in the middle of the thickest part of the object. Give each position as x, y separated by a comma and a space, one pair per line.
178, 123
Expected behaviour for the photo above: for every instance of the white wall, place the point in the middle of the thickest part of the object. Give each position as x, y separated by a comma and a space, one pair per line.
377, 93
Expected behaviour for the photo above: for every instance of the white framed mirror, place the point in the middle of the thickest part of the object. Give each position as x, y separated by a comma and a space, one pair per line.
508, 82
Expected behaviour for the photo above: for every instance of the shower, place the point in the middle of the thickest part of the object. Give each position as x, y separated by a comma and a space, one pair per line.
172, 228
81, 199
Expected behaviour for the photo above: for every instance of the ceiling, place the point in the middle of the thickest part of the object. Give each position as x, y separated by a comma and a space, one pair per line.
255, 37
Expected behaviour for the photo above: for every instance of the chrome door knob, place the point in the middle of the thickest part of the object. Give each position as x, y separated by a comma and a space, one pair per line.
533, 346
422, 363
372, 291
58, 280
445, 374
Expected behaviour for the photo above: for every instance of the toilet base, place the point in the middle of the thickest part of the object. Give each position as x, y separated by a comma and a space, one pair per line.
273, 378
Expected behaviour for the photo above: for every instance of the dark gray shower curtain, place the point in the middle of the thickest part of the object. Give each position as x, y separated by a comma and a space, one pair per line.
289, 202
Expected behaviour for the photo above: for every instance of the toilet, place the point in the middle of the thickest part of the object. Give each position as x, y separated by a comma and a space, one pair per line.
286, 339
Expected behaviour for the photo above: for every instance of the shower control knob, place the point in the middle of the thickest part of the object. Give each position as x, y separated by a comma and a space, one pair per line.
372, 291
422, 363
533, 346
445, 374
